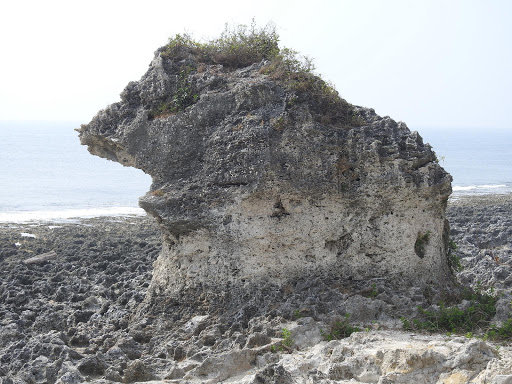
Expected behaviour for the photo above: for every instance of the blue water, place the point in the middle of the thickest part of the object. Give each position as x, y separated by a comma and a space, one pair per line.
479, 160
46, 173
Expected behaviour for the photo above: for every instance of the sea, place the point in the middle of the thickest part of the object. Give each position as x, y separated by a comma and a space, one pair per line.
479, 159
45, 174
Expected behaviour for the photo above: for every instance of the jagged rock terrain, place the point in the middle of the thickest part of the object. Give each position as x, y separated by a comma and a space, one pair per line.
57, 312
483, 229
70, 319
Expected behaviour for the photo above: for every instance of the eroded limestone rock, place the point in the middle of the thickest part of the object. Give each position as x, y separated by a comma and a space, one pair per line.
252, 187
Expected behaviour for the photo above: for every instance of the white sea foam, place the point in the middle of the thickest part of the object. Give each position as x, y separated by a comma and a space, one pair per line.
483, 189
27, 216
474, 187
477, 187
466, 188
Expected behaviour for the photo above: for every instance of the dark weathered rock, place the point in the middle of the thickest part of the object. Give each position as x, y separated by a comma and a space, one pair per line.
481, 227
42, 258
59, 316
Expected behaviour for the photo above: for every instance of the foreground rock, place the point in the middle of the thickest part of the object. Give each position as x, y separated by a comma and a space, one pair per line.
70, 319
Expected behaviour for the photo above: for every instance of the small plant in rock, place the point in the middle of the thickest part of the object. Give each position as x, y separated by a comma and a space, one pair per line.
279, 123
182, 45
453, 259
288, 65
502, 332
406, 324
240, 46
374, 292
371, 292
287, 338
340, 329
183, 97
286, 344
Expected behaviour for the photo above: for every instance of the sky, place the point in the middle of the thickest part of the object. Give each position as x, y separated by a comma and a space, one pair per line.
430, 63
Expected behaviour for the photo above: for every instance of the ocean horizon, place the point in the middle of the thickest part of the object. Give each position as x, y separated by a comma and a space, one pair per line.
47, 175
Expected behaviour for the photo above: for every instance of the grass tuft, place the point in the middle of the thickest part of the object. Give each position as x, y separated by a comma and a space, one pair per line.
340, 329
472, 318
286, 344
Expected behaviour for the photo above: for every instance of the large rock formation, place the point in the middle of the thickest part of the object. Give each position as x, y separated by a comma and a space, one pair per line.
259, 181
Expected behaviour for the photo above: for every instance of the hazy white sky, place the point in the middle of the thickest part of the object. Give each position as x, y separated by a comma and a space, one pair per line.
430, 63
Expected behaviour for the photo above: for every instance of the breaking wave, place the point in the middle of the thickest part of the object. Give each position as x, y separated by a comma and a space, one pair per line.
481, 189
67, 214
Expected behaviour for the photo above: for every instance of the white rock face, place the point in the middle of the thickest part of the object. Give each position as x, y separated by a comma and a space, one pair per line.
370, 356
324, 236
365, 357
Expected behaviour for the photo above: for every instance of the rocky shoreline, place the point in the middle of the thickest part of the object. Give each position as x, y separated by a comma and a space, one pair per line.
482, 228
79, 314
55, 312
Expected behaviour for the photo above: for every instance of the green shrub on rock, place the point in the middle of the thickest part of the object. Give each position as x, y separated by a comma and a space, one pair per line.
240, 46
340, 329
471, 317
237, 47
